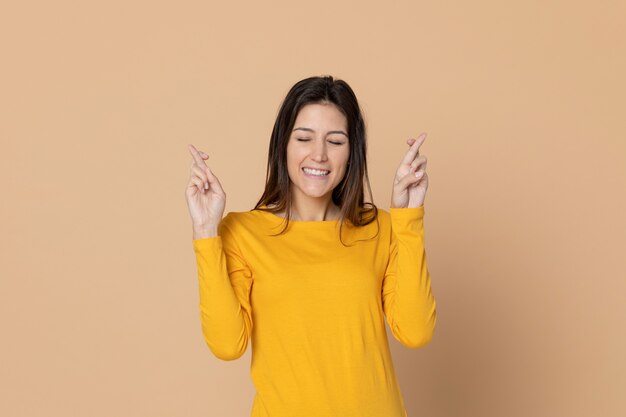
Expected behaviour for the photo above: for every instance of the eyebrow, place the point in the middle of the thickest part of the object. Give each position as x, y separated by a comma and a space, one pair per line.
311, 130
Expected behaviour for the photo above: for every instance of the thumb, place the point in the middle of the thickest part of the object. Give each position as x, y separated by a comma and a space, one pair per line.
409, 179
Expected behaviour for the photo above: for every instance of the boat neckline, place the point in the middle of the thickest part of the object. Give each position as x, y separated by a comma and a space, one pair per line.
303, 222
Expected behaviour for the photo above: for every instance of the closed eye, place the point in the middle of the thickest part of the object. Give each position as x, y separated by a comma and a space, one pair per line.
306, 140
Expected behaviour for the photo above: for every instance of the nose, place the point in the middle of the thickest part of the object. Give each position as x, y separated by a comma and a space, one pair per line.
319, 151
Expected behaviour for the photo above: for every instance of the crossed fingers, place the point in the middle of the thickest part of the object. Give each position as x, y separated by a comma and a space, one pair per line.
197, 156
414, 150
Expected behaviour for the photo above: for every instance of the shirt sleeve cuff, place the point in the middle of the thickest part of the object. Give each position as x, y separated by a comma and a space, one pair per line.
407, 219
208, 243
406, 213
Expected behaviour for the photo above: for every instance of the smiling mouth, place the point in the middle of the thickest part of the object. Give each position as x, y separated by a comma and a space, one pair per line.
315, 172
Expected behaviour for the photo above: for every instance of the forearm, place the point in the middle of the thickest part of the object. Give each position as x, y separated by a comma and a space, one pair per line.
224, 323
414, 310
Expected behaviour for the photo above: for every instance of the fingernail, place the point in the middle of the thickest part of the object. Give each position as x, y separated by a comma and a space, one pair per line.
206, 185
419, 174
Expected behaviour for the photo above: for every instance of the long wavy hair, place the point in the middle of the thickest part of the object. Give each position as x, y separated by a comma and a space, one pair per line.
348, 195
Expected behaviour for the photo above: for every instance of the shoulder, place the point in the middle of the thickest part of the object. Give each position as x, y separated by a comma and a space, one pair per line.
375, 225
240, 221
383, 218
383, 214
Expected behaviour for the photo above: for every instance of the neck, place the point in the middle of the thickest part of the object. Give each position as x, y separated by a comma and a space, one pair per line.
314, 209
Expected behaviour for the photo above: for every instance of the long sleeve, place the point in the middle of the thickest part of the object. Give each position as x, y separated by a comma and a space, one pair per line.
408, 302
225, 281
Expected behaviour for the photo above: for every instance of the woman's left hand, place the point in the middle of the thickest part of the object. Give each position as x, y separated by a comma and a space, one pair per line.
409, 190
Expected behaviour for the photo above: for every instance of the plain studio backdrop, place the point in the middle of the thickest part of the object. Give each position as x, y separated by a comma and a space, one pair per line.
525, 220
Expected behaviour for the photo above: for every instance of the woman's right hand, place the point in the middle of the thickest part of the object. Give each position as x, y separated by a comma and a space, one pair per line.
206, 199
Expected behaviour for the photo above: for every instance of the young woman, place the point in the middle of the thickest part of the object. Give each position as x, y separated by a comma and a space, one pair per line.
309, 274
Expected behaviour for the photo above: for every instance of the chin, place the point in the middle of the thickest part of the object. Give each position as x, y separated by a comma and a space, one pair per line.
317, 195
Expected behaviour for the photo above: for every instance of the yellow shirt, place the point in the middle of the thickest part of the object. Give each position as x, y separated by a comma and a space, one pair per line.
314, 309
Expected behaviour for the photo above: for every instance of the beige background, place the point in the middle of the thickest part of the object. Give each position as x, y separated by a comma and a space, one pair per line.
525, 226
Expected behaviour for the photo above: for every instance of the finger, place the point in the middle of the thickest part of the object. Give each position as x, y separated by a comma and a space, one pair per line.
214, 182
195, 182
201, 173
413, 151
196, 155
419, 162
409, 180
198, 183
422, 179
413, 167
204, 156
411, 141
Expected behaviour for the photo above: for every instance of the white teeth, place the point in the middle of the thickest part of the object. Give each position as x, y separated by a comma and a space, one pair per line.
316, 172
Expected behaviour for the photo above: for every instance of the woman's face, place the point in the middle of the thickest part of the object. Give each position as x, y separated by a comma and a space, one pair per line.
319, 141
